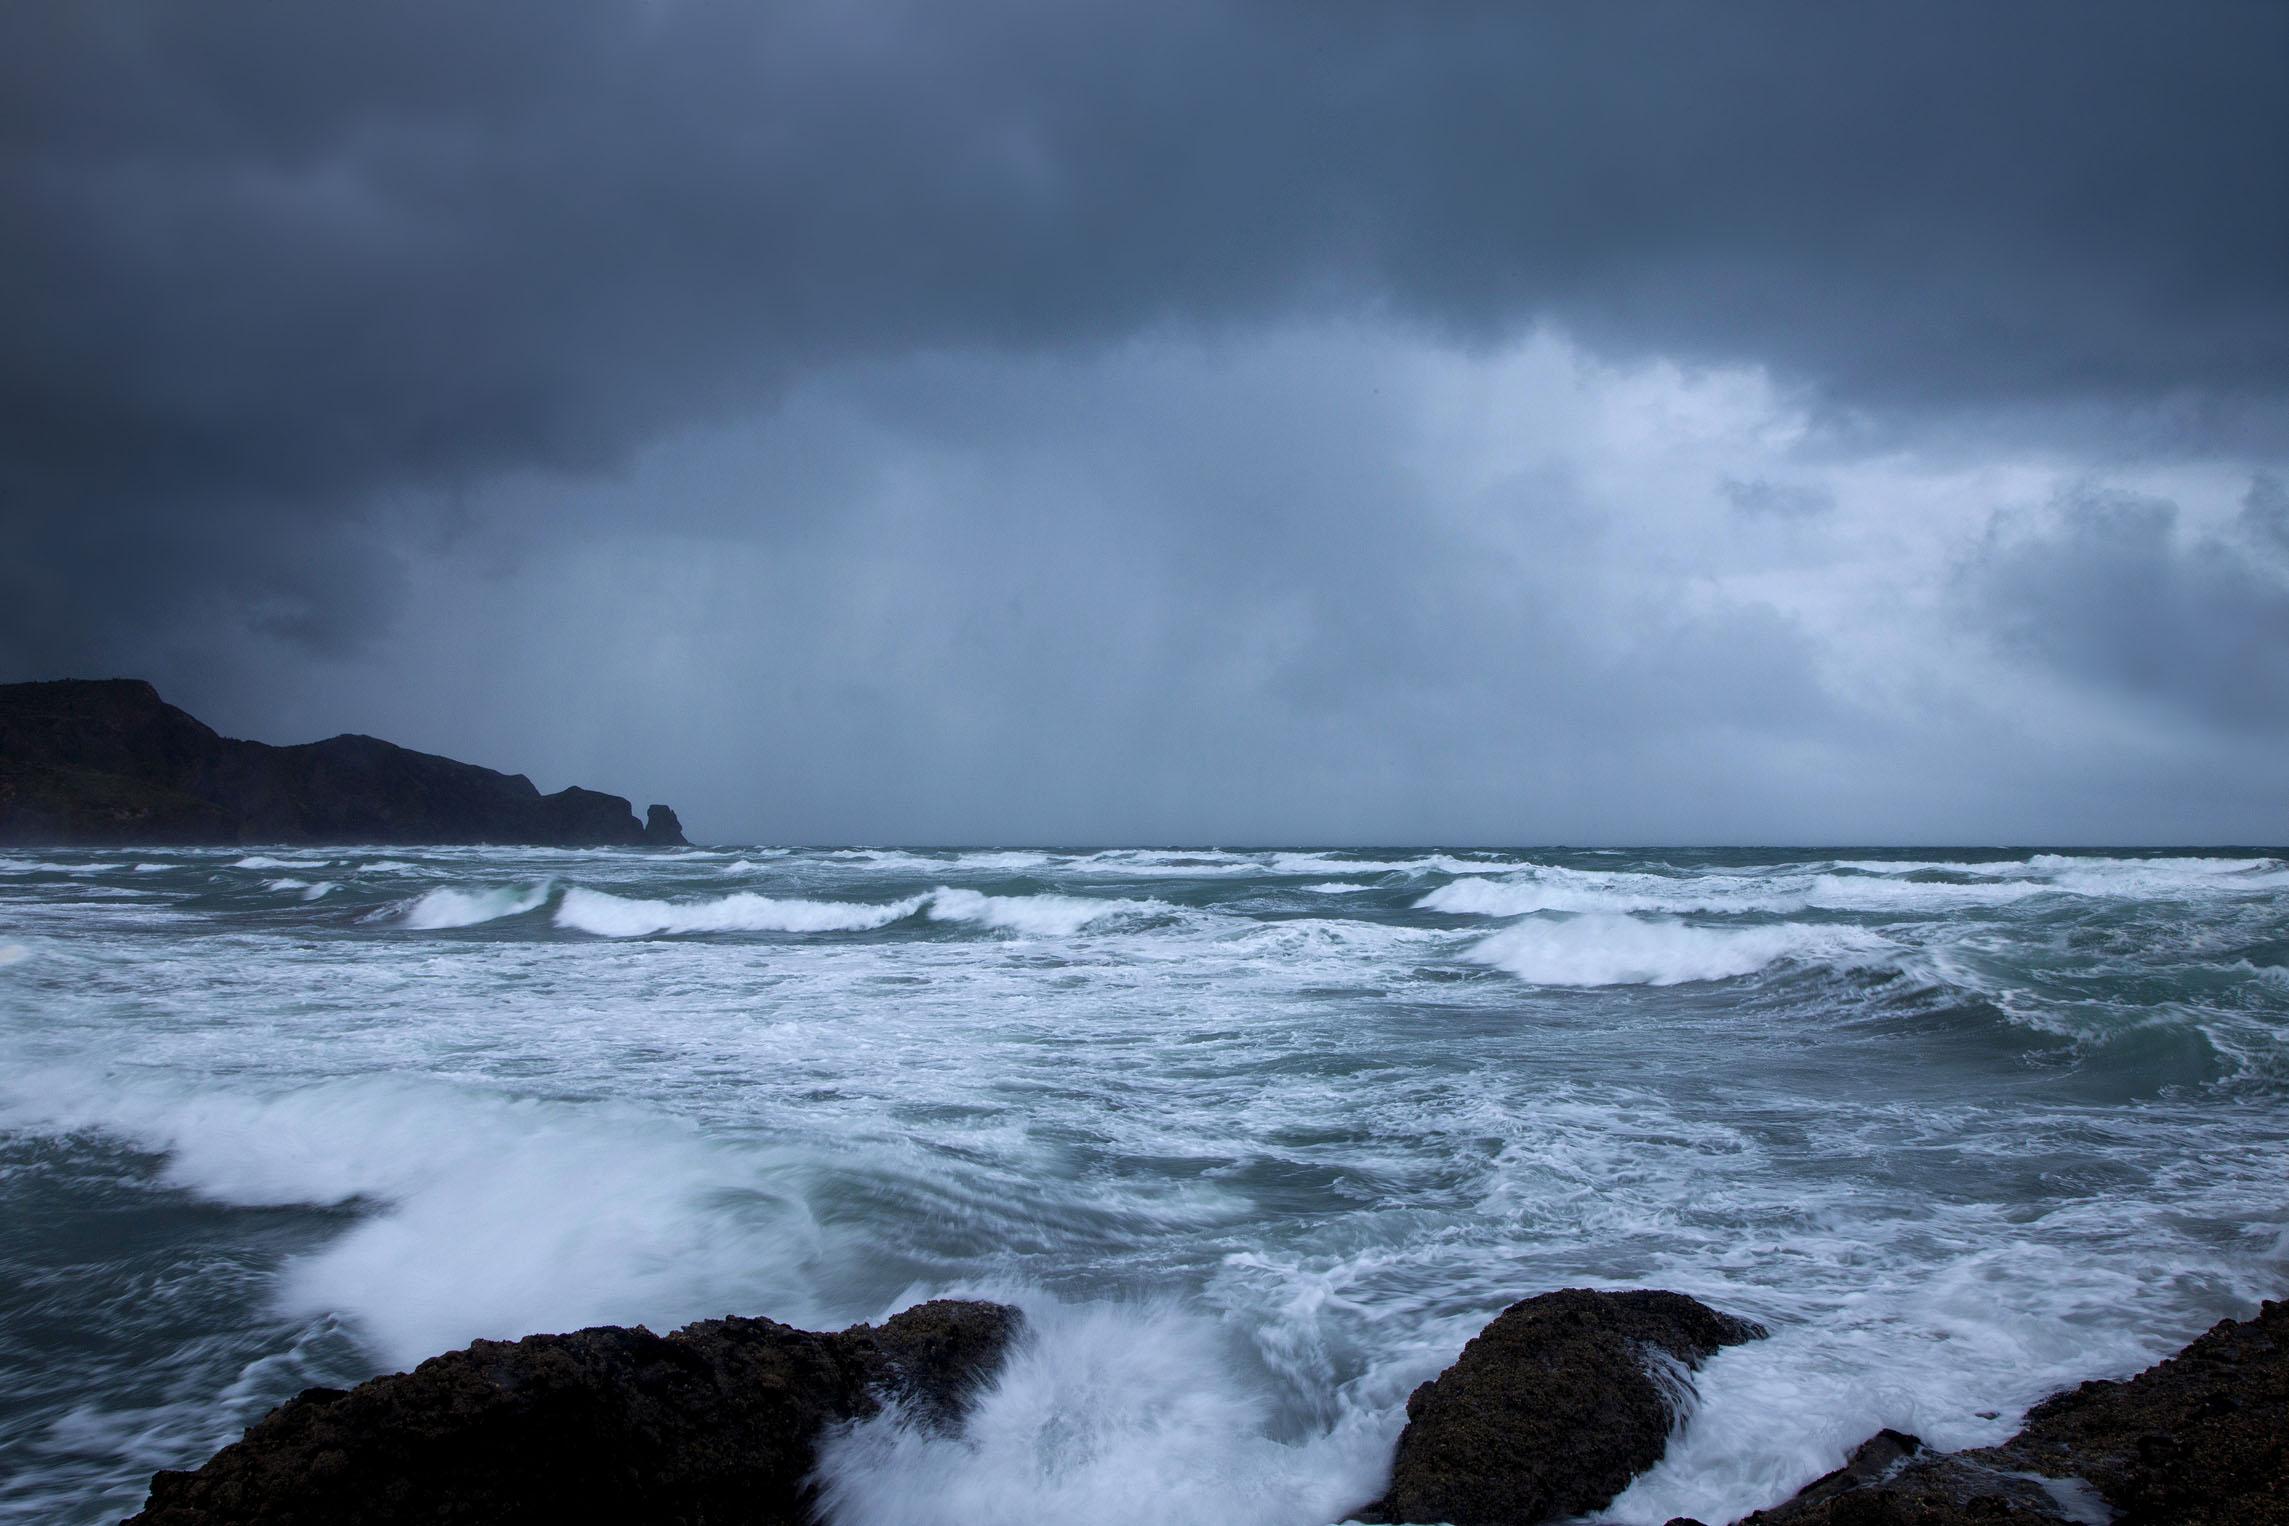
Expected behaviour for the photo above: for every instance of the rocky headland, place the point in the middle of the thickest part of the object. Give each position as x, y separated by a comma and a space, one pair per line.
105, 762
1545, 1416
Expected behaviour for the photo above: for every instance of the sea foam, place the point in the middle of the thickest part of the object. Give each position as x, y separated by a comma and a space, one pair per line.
1113, 1414
485, 1216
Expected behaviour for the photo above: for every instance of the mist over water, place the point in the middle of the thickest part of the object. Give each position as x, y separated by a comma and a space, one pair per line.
1258, 1139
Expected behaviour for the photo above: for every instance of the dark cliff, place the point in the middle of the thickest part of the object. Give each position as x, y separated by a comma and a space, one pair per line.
107, 761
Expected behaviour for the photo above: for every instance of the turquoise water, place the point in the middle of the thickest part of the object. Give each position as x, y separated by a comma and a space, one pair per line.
1258, 1138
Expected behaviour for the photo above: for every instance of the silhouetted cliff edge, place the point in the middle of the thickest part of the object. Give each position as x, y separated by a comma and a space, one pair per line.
103, 761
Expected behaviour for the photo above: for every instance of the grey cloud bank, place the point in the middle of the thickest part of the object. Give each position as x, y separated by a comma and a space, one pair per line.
1205, 421
2112, 592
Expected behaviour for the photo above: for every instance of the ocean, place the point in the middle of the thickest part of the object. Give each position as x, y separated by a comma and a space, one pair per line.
1258, 1139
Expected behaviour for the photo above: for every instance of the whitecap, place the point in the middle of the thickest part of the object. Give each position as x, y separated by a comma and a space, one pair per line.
1604, 949
447, 907
612, 916
1040, 915
1555, 889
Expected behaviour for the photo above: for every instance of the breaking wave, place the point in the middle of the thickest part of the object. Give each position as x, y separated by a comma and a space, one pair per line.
1042, 915
466, 908
1111, 1414
611, 916
486, 1216
1871, 885
1606, 949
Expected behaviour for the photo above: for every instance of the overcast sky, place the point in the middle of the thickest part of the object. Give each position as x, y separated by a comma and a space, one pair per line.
1184, 422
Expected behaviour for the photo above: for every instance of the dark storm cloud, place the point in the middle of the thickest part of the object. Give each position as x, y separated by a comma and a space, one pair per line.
266, 263
315, 315
1167, 593
2111, 591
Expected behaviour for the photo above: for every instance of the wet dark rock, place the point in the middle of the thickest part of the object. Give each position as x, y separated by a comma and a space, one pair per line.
1553, 1408
717, 1423
2199, 1440
104, 762
662, 830
1894, 1480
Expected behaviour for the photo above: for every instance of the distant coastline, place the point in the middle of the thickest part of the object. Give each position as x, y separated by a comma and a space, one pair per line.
99, 762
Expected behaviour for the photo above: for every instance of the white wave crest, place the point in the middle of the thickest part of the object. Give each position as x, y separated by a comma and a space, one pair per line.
259, 861
1547, 888
1340, 863
612, 916
467, 908
1479, 897
1606, 949
1867, 885
2157, 878
1040, 915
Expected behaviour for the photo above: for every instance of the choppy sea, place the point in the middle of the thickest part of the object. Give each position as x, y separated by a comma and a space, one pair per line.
1258, 1139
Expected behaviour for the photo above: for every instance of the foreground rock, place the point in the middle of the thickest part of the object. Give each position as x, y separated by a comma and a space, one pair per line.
2199, 1440
717, 1423
107, 762
1553, 1408
1894, 1480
